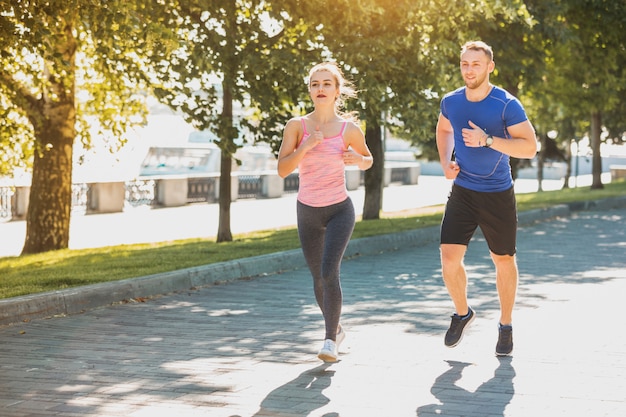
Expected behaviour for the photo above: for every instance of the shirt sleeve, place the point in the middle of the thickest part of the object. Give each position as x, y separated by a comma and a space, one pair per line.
442, 108
514, 113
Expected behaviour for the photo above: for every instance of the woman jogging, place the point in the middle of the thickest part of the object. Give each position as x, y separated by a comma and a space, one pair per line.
320, 145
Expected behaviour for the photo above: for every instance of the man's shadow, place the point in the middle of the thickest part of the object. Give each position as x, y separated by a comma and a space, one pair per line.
496, 393
303, 394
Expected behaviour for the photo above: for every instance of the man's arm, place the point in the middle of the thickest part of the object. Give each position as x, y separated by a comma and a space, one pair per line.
445, 147
522, 143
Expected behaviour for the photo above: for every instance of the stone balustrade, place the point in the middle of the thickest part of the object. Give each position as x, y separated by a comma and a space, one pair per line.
175, 191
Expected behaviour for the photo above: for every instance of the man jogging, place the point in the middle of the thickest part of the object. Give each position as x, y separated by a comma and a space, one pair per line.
480, 126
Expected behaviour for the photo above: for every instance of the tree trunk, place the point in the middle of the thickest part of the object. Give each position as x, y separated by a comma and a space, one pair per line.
596, 162
49, 208
514, 164
48, 216
372, 204
568, 160
224, 233
541, 162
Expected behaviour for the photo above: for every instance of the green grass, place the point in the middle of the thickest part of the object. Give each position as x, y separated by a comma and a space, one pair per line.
71, 268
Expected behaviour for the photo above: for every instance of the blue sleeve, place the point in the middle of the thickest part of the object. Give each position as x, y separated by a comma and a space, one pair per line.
514, 113
442, 108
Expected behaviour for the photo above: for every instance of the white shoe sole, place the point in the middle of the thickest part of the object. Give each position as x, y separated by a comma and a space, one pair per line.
327, 356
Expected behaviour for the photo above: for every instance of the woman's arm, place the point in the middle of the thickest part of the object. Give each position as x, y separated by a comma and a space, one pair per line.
290, 154
357, 153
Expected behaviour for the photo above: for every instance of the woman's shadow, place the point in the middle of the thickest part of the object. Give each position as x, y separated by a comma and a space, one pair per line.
493, 395
303, 394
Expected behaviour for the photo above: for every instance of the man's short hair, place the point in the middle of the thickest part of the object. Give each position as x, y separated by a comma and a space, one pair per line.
478, 46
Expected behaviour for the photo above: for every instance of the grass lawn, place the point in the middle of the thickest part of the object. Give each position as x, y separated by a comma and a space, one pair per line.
70, 268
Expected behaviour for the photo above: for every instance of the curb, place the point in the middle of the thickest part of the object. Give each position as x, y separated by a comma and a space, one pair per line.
80, 299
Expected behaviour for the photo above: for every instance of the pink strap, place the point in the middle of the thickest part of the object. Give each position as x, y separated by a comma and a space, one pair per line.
343, 128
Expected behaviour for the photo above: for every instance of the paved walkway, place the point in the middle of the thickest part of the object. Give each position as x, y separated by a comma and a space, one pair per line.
248, 348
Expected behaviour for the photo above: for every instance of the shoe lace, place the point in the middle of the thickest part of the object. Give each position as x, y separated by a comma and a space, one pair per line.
456, 319
329, 345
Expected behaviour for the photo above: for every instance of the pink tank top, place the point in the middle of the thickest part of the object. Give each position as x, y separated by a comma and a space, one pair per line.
322, 172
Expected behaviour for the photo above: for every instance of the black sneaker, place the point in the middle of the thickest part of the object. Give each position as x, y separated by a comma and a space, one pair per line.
457, 327
505, 340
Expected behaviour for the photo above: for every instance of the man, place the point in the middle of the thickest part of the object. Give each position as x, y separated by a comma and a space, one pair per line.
480, 126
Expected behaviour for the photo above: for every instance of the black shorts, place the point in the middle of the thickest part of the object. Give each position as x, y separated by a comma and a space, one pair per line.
495, 214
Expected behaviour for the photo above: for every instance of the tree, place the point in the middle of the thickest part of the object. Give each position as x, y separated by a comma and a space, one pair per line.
49, 50
235, 53
402, 55
591, 70
520, 37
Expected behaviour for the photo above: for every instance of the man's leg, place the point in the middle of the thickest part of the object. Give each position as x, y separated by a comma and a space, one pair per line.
455, 276
506, 283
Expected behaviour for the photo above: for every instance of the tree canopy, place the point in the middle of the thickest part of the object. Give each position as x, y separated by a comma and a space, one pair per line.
237, 68
233, 55
403, 55
63, 61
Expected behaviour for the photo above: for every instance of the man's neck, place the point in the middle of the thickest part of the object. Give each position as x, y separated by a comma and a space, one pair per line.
478, 94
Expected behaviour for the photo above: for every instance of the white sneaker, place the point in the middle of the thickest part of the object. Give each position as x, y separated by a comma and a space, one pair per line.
341, 335
329, 351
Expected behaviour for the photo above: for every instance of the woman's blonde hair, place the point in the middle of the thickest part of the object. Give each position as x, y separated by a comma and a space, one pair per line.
346, 88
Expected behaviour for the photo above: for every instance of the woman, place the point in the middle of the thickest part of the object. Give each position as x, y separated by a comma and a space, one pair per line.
320, 144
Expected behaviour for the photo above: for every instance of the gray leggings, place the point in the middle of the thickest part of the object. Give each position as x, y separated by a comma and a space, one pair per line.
324, 235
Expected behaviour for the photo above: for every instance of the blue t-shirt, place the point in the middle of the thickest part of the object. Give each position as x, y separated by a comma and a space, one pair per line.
482, 169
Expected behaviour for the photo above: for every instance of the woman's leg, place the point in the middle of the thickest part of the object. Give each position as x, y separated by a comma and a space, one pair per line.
338, 232
311, 231
324, 235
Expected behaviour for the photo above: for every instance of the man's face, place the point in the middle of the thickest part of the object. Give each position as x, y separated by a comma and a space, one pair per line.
475, 68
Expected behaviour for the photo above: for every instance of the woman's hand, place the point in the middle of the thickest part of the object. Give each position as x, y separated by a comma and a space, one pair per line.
350, 157
313, 140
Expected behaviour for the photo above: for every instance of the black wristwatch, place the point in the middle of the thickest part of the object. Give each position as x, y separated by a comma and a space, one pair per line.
489, 141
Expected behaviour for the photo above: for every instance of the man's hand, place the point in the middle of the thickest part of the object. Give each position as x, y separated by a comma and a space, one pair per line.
474, 137
451, 170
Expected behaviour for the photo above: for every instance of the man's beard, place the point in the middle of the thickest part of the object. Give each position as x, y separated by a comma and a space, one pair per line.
474, 83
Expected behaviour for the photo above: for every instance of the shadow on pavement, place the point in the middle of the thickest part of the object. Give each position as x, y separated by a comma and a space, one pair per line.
308, 385
454, 399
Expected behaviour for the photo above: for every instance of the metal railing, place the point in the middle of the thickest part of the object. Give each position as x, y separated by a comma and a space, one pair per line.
141, 192
6, 193
292, 182
401, 175
202, 189
250, 186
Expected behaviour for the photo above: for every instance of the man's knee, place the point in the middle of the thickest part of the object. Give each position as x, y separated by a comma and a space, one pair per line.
452, 254
504, 261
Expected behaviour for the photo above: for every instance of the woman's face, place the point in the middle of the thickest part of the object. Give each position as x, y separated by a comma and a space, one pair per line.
323, 87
